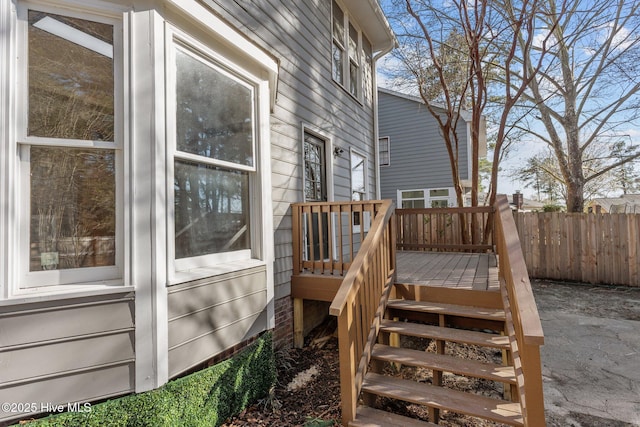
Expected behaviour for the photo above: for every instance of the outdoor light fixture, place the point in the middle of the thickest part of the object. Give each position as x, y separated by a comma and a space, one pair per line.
337, 152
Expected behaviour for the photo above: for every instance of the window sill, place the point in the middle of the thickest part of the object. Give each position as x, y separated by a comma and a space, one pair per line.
348, 92
63, 292
215, 270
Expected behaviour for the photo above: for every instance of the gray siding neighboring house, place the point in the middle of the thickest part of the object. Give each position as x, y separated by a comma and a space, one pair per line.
161, 304
415, 169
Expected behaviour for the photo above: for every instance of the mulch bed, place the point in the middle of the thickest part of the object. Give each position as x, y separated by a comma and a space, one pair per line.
308, 388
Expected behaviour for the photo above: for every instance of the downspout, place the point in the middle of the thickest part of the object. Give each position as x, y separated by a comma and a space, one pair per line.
376, 131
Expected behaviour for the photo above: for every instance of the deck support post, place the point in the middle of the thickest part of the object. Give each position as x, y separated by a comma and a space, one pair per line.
298, 323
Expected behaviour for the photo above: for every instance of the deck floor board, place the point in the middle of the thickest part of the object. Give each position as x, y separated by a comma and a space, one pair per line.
447, 269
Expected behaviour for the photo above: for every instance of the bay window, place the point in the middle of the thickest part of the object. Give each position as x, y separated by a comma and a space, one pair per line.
214, 159
129, 154
70, 150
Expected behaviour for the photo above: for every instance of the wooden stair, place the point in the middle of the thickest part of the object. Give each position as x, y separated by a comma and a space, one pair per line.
435, 396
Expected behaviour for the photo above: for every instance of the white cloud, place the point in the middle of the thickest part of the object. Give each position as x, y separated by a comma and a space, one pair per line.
544, 36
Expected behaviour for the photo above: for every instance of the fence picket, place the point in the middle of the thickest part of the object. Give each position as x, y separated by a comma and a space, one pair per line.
592, 248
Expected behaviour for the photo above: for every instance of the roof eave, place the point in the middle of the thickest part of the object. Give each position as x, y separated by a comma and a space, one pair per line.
373, 23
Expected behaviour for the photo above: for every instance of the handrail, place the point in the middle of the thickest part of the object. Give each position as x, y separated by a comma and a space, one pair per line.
443, 229
514, 279
360, 304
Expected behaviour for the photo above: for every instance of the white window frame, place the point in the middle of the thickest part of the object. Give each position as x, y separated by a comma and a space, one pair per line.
402, 199
186, 268
427, 198
449, 198
349, 57
25, 282
384, 141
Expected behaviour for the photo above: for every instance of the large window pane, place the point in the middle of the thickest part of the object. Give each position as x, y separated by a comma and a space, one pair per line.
71, 81
358, 190
338, 61
413, 194
214, 112
439, 193
353, 79
338, 22
73, 220
211, 210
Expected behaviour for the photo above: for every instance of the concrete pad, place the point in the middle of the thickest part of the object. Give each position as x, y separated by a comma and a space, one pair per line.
591, 359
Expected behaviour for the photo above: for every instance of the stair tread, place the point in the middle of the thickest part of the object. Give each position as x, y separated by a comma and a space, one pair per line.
370, 417
497, 410
450, 309
445, 363
447, 334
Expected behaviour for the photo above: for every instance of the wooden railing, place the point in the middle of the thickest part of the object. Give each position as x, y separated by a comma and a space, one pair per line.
327, 235
443, 229
360, 305
522, 314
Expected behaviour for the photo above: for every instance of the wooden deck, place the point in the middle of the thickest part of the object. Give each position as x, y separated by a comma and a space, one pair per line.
444, 296
472, 271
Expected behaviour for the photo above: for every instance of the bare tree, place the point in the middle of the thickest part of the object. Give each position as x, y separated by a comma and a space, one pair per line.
453, 52
588, 92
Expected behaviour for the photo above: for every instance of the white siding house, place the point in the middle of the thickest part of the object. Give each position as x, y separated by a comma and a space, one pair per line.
149, 153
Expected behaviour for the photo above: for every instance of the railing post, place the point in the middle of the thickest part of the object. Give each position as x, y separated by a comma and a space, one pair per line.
532, 369
296, 231
528, 330
348, 365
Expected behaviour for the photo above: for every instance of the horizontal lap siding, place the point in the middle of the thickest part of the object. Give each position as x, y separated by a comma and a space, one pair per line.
67, 351
209, 316
298, 34
419, 157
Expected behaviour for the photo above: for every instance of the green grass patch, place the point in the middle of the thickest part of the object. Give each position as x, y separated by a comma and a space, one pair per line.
204, 398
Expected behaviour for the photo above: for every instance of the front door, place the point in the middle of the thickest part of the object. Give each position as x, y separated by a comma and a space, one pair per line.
315, 190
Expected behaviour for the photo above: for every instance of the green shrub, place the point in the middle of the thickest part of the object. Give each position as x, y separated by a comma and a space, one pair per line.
204, 398
552, 208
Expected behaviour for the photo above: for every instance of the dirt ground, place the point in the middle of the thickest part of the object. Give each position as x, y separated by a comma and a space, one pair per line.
308, 390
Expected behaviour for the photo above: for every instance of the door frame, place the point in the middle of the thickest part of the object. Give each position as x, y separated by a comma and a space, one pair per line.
328, 163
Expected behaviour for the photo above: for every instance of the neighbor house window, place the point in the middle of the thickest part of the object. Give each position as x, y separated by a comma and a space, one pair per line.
214, 160
412, 199
440, 198
70, 150
349, 50
384, 151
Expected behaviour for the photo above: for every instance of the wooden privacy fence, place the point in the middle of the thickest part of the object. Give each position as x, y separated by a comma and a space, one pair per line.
590, 248
441, 229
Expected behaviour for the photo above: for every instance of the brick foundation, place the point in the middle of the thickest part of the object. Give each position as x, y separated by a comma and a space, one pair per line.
283, 333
